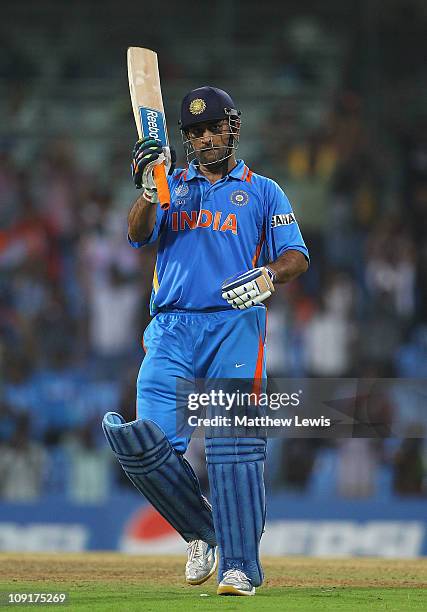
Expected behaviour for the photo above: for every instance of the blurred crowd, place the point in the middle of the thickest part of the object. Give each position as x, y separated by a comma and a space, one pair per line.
74, 296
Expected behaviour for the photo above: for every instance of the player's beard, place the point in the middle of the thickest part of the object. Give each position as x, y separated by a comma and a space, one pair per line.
213, 158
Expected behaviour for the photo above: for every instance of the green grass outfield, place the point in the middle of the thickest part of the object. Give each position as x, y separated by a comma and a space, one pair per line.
116, 582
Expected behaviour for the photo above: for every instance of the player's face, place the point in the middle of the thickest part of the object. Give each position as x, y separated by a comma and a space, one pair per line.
210, 140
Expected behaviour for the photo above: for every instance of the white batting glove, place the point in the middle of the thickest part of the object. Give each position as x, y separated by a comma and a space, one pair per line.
148, 182
248, 288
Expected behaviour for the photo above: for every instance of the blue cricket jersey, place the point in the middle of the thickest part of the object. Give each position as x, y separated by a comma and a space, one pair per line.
214, 231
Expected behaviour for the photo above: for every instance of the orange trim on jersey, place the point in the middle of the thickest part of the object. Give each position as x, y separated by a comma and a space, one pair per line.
178, 176
258, 249
185, 175
143, 345
257, 384
245, 170
248, 178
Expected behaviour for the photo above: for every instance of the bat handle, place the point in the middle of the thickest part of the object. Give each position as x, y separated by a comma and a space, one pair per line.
162, 186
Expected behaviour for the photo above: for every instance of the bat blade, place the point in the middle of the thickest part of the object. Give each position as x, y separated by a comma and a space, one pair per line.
147, 105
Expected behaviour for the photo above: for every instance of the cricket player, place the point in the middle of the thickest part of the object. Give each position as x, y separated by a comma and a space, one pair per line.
228, 238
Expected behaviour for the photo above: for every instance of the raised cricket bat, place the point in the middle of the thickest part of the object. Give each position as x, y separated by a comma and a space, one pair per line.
147, 104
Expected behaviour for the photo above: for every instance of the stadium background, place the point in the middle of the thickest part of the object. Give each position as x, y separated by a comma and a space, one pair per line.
333, 98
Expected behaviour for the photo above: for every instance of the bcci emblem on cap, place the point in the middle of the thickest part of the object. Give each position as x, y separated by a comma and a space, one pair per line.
239, 197
197, 106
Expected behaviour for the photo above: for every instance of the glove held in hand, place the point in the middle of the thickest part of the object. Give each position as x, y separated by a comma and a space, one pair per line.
248, 288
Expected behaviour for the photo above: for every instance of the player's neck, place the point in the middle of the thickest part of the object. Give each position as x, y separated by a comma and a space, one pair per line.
214, 174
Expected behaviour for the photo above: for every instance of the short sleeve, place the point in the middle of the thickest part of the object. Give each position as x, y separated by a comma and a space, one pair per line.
282, 232
160, 220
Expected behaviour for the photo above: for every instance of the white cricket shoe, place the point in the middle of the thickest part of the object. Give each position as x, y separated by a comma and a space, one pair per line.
202, 562
235, 582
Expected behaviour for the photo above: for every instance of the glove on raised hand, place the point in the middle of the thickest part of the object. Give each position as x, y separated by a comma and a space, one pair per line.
249, 288
147, 153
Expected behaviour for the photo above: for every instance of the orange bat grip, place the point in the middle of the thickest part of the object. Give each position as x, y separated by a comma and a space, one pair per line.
162, 186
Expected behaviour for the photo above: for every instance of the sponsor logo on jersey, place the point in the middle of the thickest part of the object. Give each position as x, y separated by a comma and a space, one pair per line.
218, 222
239, 197
182, 190
284, 219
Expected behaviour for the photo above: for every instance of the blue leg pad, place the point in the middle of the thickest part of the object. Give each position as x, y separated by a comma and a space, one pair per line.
236, 478
161, 474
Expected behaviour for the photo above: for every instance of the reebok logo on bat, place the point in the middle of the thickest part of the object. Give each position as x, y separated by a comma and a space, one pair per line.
152, 122
153, 129
284, 219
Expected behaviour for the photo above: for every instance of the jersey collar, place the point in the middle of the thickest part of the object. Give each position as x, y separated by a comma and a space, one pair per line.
239, 171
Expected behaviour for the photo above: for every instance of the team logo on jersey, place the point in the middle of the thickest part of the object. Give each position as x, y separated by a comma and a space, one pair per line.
239, 197
197, 106
284, 219
182, 190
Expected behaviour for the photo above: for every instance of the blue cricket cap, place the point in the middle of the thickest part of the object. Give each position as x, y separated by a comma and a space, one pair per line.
206, 104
